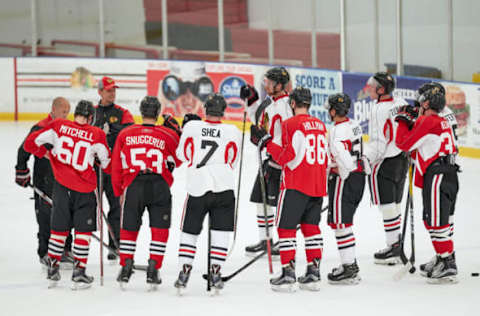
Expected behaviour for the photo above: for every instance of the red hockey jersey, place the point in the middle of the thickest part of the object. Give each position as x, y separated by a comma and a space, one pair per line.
302, 155
72, 157
432, 138
143, 148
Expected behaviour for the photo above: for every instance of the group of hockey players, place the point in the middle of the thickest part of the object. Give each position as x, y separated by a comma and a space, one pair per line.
103, 150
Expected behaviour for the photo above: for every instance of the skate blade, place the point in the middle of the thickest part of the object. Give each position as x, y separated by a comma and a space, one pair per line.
312, 286
351, 281
214, 292
80, 286
388, 262
123, 285
180, 291
445, 280
52, 284
285, 288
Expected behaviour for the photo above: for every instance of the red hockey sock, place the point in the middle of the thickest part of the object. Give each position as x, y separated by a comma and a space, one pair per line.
81, 246
313, 241
287, 244
128, 243
441, 239
56, 244
158, 245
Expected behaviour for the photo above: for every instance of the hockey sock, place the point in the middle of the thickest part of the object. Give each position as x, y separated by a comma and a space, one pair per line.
56, 243
261, 221
287, 244
450, 220
128, 243
158, 245
219, 251
391, 222
187, 249
313, 241
441, 240
346, 244
81, 246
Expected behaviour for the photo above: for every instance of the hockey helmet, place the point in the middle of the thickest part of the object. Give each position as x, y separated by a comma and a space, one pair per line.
430, 85
150, 107
279, 75
340, 102
215, 105
84, 108
436, 100
382, 79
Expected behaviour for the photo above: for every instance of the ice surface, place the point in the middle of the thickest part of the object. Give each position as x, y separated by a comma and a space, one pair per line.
23, 287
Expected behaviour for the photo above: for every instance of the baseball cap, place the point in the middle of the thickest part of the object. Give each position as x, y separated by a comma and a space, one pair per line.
106, 83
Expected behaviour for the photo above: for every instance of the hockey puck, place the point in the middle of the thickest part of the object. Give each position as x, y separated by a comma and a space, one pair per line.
475, 274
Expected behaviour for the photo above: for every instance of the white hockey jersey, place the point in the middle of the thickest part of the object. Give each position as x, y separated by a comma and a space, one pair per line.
345, 147
273, 116
210, 150
382, 130
451, 119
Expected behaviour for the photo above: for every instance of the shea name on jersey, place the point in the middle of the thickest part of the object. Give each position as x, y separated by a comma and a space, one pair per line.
210, 131
145, 139
313, 125
75, 132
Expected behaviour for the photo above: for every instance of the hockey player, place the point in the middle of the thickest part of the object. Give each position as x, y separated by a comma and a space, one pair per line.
142, 175
43, 182
210, 150
75, 146
346, 183
303, 156
388, 163
270, 114
112, 118
451, 119
436, 174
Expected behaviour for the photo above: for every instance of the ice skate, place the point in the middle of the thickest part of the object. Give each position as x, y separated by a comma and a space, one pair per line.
444, 271
125, 273
425, 268
67, 261
181, 283
345, 274
80, 280
216, 279
311, 280
287, 281
53, 273
389, 256
153, 279
112, 256
261, 246
44, 262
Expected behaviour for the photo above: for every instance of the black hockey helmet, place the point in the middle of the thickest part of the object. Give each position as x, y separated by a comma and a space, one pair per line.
215, 105
301, 96
430, 85
340, 102
84, 108
150, 107
384, 80
279, 75
435, 97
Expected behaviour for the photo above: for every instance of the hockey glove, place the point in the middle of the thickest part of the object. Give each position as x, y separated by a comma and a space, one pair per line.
171, 123
405, 117
22, 177
256, 133
190, 117
249, 93
411, 110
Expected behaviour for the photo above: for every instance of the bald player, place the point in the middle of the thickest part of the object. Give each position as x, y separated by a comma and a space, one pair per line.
43, 182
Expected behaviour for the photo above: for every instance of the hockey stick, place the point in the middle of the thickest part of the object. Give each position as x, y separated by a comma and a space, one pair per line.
408, 265
250, 262
264, 200
412, 224
100, 207
239, 181
209, 259
40, 193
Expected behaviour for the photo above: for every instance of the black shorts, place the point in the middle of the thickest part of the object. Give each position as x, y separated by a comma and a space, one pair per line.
343, 198
387, 180
272, 182
220, 206
149, 191
72, 209
295, 207
440, 188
